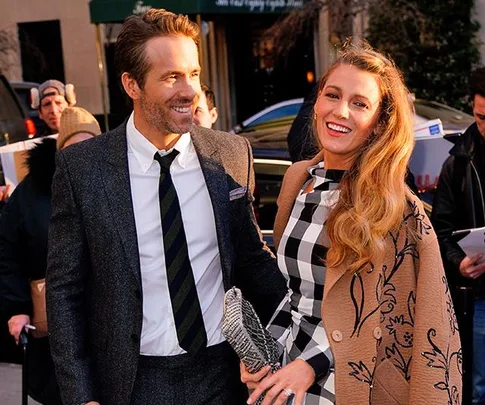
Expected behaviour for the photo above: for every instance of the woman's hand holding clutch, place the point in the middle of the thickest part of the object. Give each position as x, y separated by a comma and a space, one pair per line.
293, 379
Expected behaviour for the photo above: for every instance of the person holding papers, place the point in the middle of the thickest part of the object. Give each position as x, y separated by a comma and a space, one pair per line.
459, 204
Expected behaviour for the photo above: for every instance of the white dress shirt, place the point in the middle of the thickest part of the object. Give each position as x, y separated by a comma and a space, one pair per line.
159, 335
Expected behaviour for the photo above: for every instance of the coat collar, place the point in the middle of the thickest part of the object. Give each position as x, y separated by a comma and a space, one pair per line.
465, 145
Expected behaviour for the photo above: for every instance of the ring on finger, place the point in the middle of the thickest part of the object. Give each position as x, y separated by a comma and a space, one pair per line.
288, 392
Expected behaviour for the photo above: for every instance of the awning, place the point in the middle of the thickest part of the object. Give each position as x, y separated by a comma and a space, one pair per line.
111, 11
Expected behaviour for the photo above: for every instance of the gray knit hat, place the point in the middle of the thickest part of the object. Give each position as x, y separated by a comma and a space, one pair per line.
56, 84
61, 89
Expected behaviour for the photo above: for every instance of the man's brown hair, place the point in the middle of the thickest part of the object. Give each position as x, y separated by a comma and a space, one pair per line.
136, 31
209, 95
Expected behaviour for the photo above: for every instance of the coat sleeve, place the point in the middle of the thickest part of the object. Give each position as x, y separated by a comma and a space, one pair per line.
67, 276
14, 283
444, 218
257, 272
436, 365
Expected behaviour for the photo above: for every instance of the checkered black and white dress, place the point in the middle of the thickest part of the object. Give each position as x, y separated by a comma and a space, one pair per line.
297, 323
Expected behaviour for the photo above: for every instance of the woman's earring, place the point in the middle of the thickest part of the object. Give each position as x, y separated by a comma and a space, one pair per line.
314, 116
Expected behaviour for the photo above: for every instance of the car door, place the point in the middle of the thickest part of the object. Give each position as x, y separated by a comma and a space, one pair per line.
269, 173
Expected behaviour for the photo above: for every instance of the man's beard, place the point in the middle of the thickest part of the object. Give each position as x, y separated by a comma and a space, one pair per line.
158, 117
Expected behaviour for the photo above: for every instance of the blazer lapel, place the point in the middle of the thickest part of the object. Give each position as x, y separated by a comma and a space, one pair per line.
216, 181
116, 181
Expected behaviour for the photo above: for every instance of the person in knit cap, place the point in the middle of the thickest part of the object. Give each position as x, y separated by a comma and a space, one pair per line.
23, 246
51, 98
76, 125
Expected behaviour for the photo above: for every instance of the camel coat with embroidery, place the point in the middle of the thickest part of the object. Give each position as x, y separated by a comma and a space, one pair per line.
391, 327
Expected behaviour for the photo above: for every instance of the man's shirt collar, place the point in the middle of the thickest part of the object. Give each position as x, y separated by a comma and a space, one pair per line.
144, 150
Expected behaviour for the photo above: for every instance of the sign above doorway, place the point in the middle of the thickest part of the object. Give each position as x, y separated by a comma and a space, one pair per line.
110, 11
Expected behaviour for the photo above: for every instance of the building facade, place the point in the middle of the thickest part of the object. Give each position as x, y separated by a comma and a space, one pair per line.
53, 39
57, 39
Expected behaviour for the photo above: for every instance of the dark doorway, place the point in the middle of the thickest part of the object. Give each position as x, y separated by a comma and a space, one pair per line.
41, 51
260, 76
120, 104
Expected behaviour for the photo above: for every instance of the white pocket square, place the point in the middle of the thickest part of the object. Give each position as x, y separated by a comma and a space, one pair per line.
237, 193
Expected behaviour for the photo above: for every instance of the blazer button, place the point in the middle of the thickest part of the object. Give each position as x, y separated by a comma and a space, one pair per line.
337, 336
135, 338
137, 294
377, 333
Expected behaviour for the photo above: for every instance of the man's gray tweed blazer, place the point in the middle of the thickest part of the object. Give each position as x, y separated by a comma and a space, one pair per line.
94, 294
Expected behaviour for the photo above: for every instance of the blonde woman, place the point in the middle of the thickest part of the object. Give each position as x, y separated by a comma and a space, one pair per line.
368, 319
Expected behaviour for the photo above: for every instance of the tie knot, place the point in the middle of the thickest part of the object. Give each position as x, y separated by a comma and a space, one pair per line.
166, 161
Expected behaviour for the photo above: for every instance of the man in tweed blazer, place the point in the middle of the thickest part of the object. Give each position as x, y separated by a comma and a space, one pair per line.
113, 335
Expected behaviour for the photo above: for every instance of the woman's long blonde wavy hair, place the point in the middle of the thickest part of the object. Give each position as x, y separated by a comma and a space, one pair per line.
373, 191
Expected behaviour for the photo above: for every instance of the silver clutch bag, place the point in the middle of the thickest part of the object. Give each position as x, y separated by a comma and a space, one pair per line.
243, 330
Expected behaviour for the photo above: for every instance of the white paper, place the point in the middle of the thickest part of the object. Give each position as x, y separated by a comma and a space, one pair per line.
473, 243
7, 159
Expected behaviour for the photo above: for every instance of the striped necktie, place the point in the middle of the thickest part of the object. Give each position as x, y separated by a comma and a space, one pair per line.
183, 293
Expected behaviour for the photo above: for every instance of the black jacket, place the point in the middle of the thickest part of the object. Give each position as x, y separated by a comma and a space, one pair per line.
301, 143
23, 231
459, 203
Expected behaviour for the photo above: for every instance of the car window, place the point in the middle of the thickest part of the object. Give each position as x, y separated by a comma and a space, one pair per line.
9, 108
24, 97
284, 111
448, 115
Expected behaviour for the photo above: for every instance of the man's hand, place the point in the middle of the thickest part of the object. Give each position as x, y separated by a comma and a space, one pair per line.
16, 324
252, 380
470, 268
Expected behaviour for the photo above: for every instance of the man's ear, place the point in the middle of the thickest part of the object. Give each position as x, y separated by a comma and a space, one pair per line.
131, 86
214, 114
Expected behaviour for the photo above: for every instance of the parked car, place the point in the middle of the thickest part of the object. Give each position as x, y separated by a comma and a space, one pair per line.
271, 160
22, 89
15, 125
283, 113
277, 114
269, 173
454, 121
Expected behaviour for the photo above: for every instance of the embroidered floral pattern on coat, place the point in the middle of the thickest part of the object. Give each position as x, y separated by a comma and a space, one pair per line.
398, 318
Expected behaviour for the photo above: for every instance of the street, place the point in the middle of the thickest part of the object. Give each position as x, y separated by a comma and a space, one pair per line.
11, 385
